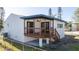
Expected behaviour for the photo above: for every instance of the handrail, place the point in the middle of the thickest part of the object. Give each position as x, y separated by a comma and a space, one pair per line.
57, 34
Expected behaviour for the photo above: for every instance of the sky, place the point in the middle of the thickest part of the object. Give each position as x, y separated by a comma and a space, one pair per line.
67, 12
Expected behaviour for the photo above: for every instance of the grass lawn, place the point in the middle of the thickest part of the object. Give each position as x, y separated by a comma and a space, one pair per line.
14, 46
2, 48
74, 47
6, 45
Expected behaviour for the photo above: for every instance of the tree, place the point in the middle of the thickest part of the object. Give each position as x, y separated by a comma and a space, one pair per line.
1, 17
68, 26
76, 15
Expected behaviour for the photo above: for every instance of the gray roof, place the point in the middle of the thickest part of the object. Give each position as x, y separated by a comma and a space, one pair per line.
41, 16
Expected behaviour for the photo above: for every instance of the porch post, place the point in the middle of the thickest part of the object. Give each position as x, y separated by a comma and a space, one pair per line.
40, 42
47, 40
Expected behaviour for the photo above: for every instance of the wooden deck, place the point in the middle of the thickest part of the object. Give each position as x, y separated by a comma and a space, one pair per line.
36, 35
49, 34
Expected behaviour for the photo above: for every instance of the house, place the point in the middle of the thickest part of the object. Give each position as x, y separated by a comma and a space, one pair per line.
35, 27
75, 26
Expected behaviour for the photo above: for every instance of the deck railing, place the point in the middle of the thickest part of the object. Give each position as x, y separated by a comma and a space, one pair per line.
42, 33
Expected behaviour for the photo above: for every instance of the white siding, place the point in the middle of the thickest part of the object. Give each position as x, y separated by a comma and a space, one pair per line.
15, 27
60, 30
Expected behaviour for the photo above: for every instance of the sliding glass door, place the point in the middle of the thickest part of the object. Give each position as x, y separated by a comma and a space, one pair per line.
45, 27
30, 27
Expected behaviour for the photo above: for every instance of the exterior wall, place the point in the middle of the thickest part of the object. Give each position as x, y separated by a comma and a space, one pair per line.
60, 30
78, 27
75, 26
14, 26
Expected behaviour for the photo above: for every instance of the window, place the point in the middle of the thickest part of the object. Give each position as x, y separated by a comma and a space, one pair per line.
59, 25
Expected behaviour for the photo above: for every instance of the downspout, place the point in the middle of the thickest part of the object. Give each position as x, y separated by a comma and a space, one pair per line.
24, 27
23, 47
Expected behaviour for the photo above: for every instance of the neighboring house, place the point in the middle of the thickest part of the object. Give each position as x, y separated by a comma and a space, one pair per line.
35, 27
75, 26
